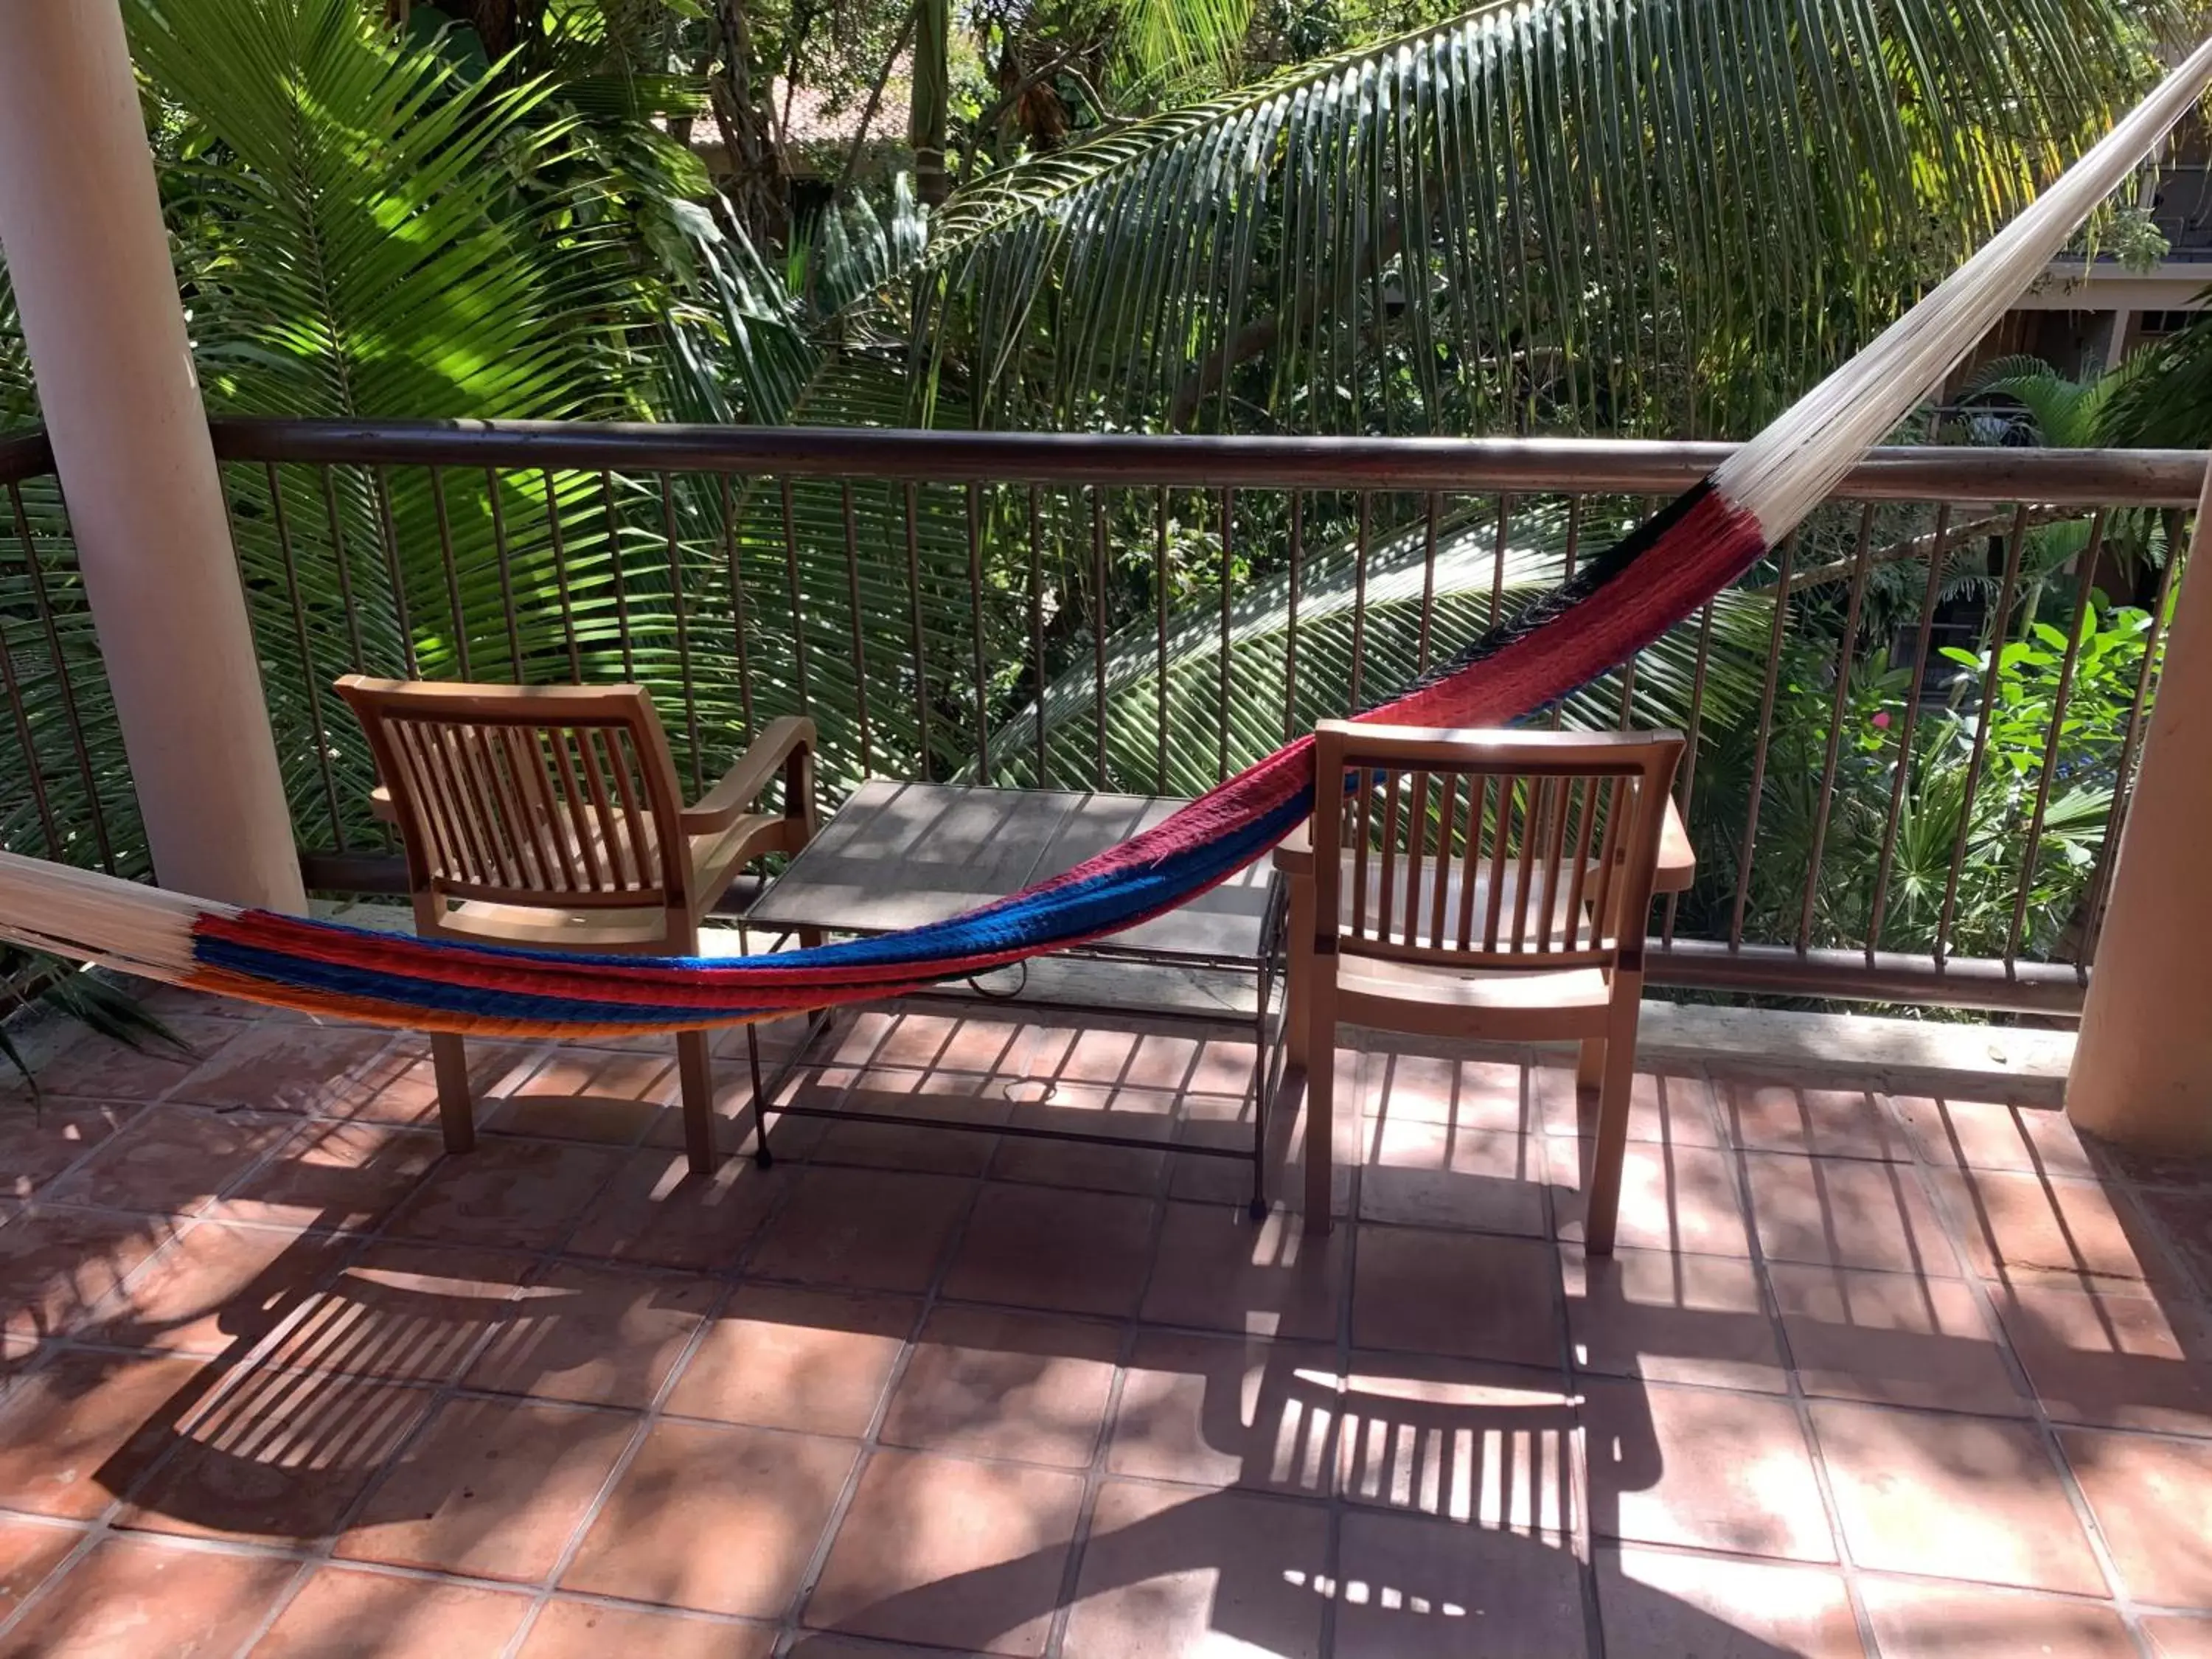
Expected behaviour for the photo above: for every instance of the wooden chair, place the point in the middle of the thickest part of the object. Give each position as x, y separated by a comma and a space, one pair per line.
549, 816
1478, 885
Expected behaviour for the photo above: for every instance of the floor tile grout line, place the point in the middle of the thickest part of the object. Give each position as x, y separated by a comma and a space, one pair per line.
225, 1384
1094, 1474
2038, 1418
1581, 1529
1952, 1228
260, 1550
728, 1279
1981, 1289
324, 1550
1800, 1403
790, 1624
1347, 1331
645, 1422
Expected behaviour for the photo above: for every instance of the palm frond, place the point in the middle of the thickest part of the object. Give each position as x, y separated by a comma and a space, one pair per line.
1627, 215
1152, 719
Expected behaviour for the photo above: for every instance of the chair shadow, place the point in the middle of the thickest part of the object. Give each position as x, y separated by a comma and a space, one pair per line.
1503, 1479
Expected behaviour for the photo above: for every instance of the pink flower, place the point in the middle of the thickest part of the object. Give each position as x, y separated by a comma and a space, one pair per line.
1881, 719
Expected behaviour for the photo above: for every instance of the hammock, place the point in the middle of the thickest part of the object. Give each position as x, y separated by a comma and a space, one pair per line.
1615, 606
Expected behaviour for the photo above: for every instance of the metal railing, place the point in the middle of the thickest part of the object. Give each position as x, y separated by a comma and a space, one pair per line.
1149, 614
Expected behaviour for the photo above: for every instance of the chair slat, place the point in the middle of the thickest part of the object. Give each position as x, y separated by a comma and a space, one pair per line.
1592, 791
1362, 790
474, 746
462, 847
1387, 888
1554, 850
603, 810
1440, 887
1501, 838
1618, 803
568, 750
527, 757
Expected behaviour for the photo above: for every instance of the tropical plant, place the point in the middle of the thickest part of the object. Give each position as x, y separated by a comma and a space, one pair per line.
2169, 401
1623, 214
1984, 838
1160, 709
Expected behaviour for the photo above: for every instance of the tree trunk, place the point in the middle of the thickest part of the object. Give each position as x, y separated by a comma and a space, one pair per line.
933, 89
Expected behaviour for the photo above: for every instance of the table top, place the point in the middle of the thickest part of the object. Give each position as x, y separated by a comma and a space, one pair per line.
902, 855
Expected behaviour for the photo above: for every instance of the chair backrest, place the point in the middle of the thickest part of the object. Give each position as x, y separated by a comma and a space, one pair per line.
560, 796
1488, 849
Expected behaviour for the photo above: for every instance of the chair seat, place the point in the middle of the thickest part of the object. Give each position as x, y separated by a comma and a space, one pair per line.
1535, 1005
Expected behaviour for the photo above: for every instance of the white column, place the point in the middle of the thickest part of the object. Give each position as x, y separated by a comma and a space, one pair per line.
82, 228
2142, 1066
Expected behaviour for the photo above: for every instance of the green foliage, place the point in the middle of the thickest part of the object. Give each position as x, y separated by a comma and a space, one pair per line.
1661, 216
2005, 839
1158, 723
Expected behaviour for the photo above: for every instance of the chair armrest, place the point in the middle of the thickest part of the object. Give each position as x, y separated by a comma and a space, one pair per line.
781, 743
1294, 854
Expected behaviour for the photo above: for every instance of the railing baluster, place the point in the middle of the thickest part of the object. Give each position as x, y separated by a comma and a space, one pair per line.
1036, 637
1098, 624
1360, 600
683, 620
1160, 598
1938, 550
728, 504
1497, 563
395, 574
1759, 748
860, 643
1992, 683
1837, 709
1428, 583
921, 649
310, 675
616, 574
34, 771
557, 543
797, 611
63, 682
1687, 777
2146, 677
505, 575
1290, 627
1228, 517
453, 570
975, 631
2083, 586
340, 564
1567, 560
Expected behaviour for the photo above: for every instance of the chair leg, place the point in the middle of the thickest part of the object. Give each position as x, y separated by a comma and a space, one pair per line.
762, 1155
1601, 1207
1320, 1101
449, 1064
1297, 1015
697, 1073
1589, 1065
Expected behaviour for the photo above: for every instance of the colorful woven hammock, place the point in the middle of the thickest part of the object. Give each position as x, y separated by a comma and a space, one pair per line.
1611, 607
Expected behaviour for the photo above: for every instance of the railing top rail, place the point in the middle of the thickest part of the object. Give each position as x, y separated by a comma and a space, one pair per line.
2083, 478
25, 455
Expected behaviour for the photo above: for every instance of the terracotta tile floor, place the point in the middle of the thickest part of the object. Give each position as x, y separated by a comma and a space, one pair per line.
1870, 1375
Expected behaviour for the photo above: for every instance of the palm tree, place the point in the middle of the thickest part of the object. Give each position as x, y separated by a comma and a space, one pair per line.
1657, 216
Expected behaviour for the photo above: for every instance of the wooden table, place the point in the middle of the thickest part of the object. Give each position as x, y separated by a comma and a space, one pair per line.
899, 855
